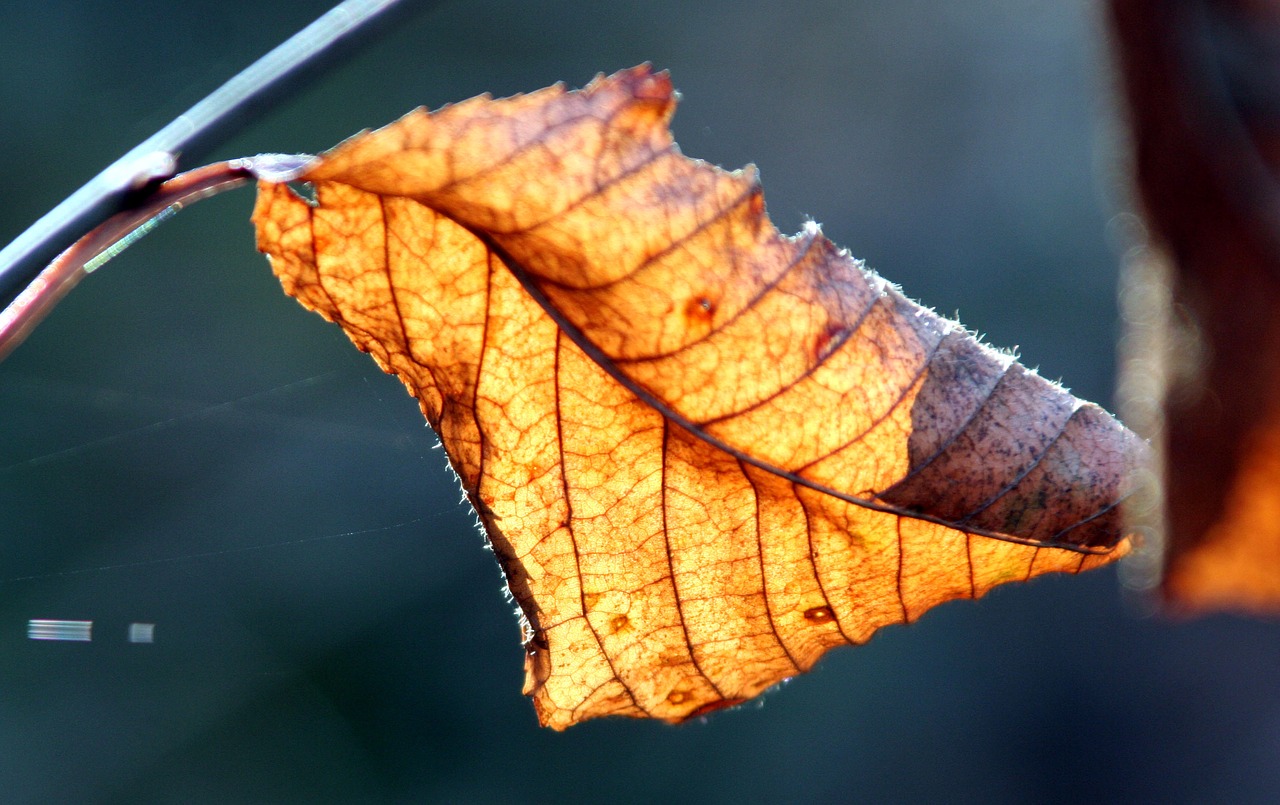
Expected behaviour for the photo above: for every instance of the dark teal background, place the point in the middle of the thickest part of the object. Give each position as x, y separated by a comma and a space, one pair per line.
181, 444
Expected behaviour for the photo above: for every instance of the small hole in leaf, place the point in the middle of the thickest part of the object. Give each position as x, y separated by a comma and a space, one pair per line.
305, 191
700, 308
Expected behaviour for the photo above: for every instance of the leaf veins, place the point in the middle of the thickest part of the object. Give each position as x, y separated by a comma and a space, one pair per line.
704, 453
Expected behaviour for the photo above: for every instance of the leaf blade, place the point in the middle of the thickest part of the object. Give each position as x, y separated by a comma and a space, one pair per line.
704, 453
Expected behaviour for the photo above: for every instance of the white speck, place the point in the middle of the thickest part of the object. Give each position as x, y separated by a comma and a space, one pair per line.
78, 631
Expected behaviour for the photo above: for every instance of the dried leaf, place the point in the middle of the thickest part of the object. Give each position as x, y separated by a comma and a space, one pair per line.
1207, 156
703, 453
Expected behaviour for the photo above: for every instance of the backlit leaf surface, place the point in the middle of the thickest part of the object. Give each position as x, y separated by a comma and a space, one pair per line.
704, 453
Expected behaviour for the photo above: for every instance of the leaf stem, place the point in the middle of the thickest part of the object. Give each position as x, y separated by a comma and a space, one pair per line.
112, 236
126, 184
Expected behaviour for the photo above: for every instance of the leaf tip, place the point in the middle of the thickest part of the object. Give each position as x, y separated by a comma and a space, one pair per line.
643, 83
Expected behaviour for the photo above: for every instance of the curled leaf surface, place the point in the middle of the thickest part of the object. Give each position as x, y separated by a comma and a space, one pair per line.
704, 453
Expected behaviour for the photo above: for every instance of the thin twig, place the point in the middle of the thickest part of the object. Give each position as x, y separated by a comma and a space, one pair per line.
35, 301
126, 183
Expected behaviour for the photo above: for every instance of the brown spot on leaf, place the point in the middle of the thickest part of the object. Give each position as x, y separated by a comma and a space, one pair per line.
819, 615
828, 340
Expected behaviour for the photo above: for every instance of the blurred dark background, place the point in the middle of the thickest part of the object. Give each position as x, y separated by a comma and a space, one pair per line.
182, 445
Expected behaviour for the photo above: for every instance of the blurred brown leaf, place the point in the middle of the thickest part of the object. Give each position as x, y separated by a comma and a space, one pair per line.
1202, 81
703, 453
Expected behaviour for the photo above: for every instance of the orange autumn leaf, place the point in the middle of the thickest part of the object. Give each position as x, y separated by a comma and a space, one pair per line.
1205, 164
704, 453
